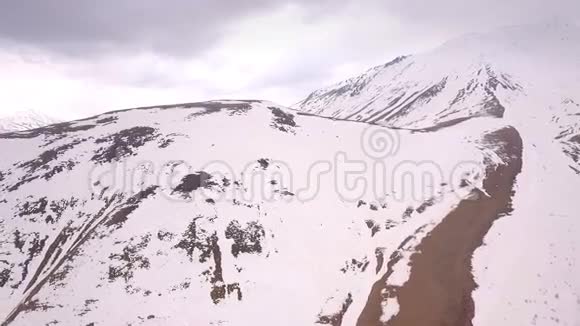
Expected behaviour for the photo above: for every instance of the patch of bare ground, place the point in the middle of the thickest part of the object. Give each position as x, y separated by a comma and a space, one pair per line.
440, 286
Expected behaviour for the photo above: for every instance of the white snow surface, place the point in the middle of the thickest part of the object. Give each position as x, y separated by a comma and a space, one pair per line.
317, 245
277, 173
528, 271
24, 120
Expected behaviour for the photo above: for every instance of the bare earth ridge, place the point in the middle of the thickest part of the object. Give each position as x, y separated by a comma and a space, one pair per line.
439, 289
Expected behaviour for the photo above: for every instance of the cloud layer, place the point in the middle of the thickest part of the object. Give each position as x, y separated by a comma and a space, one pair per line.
85, 27
84, 56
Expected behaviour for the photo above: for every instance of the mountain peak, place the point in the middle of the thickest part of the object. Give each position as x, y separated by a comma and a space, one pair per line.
24, 120
470, 76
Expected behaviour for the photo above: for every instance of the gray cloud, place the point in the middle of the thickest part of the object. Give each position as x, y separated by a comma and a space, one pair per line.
172, 27
470, 15
183, 27
101, 40
82, 27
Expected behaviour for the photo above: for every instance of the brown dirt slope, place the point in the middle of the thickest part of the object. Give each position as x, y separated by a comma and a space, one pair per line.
438, 292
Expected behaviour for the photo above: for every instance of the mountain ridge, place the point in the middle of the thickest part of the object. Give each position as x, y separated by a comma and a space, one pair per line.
451, 76
24, 120
350, 209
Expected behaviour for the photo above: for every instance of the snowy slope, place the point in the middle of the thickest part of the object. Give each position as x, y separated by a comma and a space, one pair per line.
24, 120
528, 77
163, 211
464, 78
463, 210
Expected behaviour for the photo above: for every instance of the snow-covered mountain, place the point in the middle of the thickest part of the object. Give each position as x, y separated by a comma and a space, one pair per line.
24, 120
462, 79
528, 77
438, 189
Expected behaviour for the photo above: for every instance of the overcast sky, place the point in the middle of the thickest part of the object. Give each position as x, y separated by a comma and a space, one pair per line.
73, 58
